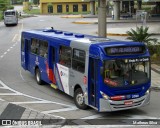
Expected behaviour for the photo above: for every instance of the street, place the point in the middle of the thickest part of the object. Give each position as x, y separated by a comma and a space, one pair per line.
19, 86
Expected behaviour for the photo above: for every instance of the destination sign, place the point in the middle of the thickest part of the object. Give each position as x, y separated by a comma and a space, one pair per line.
125, 50
138, 60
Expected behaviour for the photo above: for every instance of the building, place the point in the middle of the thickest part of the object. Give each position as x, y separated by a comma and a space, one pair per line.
64, 6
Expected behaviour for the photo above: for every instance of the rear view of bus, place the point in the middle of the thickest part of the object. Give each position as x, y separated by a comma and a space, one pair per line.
10, 17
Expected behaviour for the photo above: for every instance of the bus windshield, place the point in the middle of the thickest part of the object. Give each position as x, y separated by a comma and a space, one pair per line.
125, 72
10, 13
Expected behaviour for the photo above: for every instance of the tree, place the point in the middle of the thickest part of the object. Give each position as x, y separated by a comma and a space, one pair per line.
141, 35
36, 1
4, 4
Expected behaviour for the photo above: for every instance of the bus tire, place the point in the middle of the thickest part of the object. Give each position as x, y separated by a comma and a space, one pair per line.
38, 76
79, 99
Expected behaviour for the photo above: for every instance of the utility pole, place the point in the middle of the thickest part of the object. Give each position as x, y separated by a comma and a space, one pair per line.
102, 18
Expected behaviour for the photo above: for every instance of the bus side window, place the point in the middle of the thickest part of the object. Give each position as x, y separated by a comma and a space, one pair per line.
43, 48
65, 56
78, 60
35, 46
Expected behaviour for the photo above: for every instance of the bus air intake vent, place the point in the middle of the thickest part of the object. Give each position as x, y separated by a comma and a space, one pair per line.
79, 36
68, 34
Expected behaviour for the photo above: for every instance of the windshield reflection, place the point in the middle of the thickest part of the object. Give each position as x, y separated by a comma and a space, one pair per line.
122, 72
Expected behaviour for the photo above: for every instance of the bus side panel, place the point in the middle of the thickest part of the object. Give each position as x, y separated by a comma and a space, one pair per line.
34, 62
39, 62
43, 68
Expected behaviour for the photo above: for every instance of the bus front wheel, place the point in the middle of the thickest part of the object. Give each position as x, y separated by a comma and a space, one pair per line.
38, 76
79, 99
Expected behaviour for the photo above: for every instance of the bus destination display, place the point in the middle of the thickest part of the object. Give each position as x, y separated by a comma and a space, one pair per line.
124, 50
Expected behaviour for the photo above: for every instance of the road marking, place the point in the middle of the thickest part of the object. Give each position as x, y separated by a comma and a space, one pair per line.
81, 121
14, 38
8, 50
33, 102
2, 88
92, 117
18, 93
9, 94
2, 56
22, 76
19, 38
5, 53
1, 99
5, 86
11, 47
60, 110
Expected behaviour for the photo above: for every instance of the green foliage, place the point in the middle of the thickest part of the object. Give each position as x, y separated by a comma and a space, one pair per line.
33, 11
141, 35
1, 15
5, 4
36, 1
10, 7
50, 5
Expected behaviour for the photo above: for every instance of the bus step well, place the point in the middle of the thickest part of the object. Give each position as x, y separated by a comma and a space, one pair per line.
54, 86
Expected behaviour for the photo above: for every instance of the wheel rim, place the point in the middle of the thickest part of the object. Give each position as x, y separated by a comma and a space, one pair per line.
38, 76
80, 99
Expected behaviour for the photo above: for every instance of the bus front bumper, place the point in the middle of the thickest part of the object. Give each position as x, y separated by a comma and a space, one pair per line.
110, 105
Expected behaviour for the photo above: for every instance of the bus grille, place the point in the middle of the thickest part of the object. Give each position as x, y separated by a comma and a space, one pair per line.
121, 106
127, 91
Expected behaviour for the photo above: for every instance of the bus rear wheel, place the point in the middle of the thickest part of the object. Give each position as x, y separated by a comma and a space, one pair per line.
38, 76
79, 99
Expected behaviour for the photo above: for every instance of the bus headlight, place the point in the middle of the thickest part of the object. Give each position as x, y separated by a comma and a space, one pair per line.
148, 91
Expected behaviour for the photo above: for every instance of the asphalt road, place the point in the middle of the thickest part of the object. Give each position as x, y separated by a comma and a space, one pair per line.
19, 86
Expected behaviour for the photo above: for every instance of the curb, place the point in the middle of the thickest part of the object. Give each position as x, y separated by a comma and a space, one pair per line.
73, 16
84, 22
157, 88
155, 70
114, 34
79, 22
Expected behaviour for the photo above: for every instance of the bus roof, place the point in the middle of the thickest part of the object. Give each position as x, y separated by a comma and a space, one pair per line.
80, 38
10, 10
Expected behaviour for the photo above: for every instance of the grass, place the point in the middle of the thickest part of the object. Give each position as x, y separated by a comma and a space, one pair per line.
33, 11
1, 16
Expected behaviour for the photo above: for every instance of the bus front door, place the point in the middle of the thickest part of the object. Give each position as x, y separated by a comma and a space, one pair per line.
92, 95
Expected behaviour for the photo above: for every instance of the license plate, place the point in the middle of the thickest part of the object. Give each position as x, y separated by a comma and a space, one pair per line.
128, 102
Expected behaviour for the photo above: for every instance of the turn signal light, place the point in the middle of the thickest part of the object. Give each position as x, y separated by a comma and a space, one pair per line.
117, 98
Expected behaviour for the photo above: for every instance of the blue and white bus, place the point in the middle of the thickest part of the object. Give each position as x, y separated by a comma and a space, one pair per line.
105, 74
